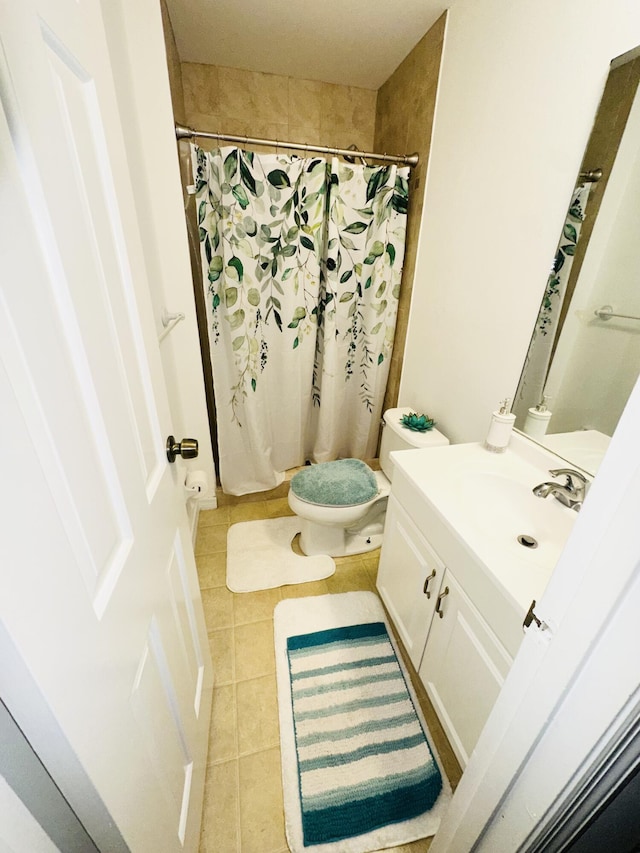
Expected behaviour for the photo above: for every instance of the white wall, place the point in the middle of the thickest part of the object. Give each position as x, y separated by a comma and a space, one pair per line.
520, 85
139, 61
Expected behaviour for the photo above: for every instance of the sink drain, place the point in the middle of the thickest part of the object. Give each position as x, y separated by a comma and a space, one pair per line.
527, 541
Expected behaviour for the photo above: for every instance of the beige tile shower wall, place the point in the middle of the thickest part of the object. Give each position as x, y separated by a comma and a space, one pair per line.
249, 103
404, 118
173, 65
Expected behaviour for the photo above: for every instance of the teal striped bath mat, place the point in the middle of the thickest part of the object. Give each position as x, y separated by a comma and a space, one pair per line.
364, 774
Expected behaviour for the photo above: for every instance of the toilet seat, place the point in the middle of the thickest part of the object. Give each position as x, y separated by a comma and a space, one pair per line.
343, 483
339, 528
340, 520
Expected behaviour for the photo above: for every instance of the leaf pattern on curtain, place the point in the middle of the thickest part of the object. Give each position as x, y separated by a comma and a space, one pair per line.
361, 270
261, 235
556, 282
302, 264
536, 366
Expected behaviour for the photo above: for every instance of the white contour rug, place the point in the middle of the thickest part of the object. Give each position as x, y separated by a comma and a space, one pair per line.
318, 613
259, 556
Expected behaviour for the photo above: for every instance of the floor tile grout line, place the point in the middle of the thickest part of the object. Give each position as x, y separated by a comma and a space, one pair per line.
247, 753
256, 677
238, 806
259, 751
234, 669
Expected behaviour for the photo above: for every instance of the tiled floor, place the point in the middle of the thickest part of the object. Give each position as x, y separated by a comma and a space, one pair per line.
243, 810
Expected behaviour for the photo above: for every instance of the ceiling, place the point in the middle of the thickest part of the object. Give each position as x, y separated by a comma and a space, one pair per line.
351, 42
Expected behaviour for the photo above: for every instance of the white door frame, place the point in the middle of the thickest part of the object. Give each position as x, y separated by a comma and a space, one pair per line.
23, 771
612, 769
41, 731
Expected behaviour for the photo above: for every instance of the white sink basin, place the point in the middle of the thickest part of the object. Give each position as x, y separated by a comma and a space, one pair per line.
486, 501
506, 511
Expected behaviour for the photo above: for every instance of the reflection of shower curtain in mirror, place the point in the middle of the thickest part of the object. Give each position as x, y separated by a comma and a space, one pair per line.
302, 260
536, 366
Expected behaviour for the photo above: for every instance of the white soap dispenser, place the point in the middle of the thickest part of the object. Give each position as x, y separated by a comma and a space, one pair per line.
500, 428
537, 420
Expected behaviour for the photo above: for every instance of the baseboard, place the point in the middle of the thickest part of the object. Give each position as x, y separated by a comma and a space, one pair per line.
194, 505
208, 503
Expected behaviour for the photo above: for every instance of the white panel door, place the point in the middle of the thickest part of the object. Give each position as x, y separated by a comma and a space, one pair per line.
98, 590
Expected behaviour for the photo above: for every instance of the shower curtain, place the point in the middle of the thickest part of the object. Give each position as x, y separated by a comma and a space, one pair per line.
302, 260
536, 366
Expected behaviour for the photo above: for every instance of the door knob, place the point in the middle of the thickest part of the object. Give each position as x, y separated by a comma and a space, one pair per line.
187, 448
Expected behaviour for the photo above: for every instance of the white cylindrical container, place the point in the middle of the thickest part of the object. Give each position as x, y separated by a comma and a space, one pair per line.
500, 429
395, 436
537, 422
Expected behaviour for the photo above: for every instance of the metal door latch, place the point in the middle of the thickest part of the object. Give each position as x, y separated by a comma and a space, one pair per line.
531, 617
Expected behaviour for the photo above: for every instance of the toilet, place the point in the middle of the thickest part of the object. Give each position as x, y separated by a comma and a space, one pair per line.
342, 504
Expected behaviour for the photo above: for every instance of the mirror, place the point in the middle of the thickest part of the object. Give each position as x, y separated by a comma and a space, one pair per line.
584, 355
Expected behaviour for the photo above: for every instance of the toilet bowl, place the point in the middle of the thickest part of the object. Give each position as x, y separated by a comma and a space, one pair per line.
342, 505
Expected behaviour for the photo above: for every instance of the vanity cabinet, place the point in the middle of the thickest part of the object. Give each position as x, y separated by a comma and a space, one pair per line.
457, 651
464, 508
463, 667
409, 577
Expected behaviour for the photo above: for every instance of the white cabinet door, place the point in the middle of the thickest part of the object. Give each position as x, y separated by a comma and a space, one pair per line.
98, 589
409, 577
463, 668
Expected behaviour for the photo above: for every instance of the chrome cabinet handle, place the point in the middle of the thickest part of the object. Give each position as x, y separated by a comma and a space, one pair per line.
425, 588
187, 448
444, 592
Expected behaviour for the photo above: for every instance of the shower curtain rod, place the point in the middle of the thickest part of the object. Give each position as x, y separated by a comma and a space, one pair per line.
592, 176
183, 132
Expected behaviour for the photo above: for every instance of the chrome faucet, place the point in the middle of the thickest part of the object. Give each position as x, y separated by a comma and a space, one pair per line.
573, 492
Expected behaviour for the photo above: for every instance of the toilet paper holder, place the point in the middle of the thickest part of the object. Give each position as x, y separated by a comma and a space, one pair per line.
195, 483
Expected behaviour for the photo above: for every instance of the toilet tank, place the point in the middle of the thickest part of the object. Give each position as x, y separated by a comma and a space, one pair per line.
398, 437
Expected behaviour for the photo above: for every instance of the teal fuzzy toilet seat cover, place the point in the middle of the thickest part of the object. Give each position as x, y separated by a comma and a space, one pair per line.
346, 482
